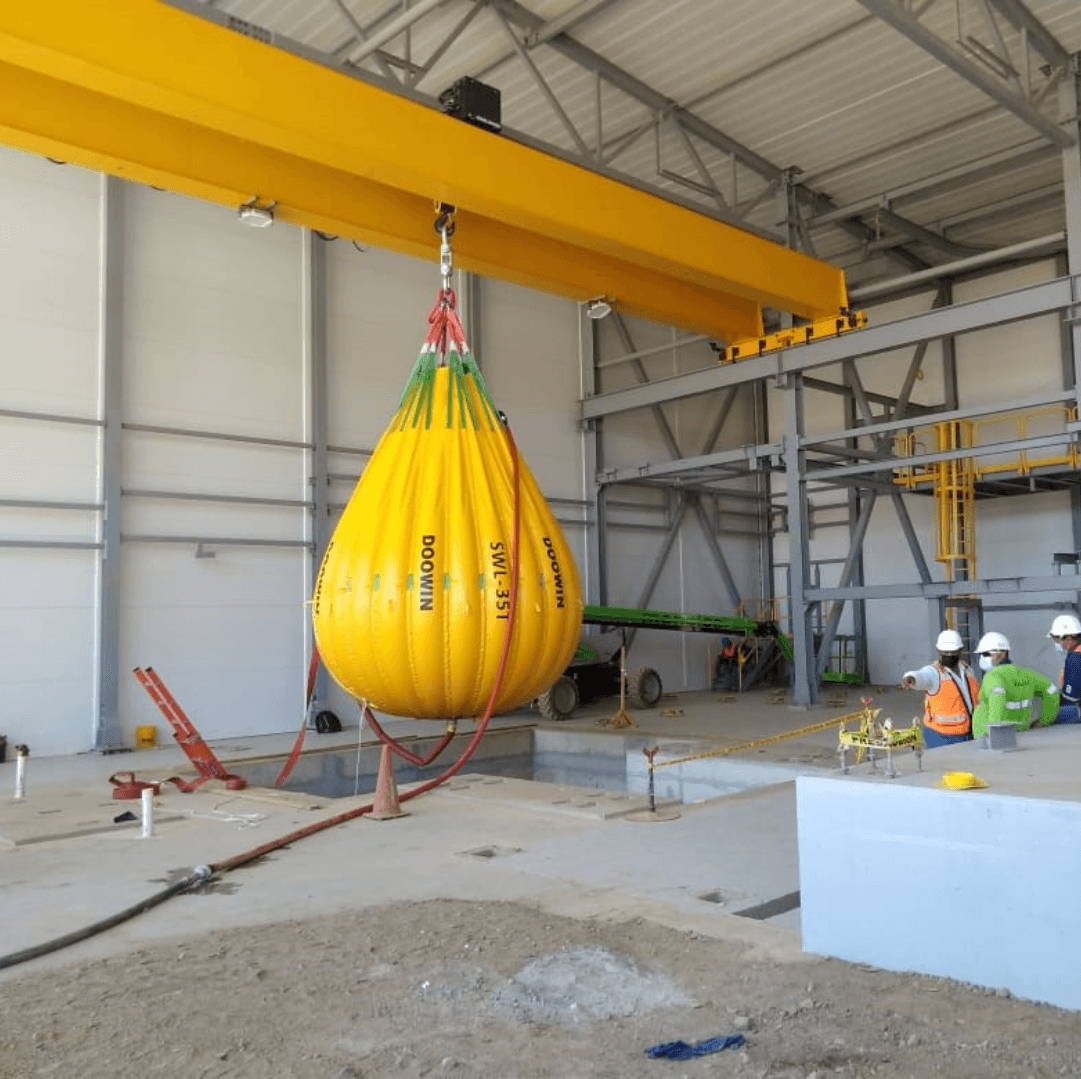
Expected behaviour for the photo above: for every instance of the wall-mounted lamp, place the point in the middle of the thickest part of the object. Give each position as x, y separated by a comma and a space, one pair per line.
251, 213
601, 307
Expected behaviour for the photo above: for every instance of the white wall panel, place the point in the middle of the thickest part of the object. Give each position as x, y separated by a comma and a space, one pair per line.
47, 623
377, 317
48, 460
212, 319
212, 342
48, 285
223, 632
530, 356
171, 462
49, 224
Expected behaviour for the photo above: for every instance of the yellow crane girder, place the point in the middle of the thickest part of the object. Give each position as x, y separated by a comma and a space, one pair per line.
143, 91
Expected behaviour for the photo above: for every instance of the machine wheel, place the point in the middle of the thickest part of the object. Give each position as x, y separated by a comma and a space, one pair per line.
559, 701
327, 723
644, 687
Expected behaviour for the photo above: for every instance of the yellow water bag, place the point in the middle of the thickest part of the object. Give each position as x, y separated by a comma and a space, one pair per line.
412, 600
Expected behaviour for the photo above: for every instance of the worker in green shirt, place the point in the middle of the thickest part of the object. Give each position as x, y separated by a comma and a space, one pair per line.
1007, 691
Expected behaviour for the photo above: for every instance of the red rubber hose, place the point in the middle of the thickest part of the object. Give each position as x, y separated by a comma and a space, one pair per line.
301, 833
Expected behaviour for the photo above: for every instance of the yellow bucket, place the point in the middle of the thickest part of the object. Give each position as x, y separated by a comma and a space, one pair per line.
146, 737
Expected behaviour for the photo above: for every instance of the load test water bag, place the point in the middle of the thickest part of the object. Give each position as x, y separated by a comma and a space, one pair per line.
412, 600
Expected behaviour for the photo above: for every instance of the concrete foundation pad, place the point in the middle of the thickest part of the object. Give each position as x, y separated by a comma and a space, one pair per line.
976, 884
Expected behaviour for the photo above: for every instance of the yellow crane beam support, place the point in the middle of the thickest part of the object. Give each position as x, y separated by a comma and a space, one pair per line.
147, 92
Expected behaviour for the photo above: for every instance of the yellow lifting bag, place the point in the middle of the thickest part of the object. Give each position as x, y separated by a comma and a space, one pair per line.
412, 601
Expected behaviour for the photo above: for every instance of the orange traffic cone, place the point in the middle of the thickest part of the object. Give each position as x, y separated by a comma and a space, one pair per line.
385, 805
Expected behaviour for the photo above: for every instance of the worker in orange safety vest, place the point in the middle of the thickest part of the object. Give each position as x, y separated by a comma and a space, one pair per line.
951, 693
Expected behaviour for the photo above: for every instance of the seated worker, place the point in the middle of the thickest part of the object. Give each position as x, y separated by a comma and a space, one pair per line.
1066, 633
951, 690
1007, 691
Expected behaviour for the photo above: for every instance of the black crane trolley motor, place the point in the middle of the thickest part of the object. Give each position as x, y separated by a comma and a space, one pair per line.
474, 102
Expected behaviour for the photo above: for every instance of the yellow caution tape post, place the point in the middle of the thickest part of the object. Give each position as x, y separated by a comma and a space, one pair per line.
725, 750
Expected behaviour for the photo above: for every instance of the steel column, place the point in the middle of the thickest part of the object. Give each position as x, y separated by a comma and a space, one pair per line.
470, 287
859, 608
108, 735
314, 353
1070, 103
596, 541
804, 684
763, 489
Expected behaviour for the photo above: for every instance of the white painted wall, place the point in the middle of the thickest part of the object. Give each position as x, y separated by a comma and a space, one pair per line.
48, 311
212, 334
212, 342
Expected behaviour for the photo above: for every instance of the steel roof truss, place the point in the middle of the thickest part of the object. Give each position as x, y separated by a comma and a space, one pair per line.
901, 19
542, 85
440, 50
1038, 37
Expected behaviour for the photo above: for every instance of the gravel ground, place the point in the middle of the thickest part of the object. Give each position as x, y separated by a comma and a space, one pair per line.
463, 990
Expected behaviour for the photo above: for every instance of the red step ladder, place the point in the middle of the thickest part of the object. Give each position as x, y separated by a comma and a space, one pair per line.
190, 740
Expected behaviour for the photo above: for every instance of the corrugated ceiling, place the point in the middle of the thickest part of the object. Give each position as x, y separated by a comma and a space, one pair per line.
825, 87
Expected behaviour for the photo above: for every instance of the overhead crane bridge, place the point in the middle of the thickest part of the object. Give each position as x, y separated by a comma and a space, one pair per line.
177, 96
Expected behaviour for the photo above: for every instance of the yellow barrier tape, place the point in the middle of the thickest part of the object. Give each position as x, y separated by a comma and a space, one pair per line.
725, 750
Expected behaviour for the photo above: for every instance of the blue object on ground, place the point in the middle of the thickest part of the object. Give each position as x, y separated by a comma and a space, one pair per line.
1068, 713
683, 1051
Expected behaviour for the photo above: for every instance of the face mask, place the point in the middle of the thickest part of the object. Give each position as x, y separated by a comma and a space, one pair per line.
950, 662
985, 663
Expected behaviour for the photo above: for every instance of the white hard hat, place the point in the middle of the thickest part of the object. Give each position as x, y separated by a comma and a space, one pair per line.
949, 640
993, 642
1066, 625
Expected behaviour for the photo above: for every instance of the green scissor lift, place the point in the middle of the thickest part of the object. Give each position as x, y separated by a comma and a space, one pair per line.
592, 674
711, 623
633, 618
731, 625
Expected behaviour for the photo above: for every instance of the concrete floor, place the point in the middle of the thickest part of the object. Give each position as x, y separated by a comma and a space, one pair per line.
65, 862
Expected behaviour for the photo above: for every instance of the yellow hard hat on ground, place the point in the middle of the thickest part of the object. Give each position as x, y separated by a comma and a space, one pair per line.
961, 781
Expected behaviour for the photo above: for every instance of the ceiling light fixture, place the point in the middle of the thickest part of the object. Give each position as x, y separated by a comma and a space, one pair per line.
601, 307
251, 213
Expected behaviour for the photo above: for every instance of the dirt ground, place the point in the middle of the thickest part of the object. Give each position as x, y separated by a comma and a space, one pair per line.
465, 990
